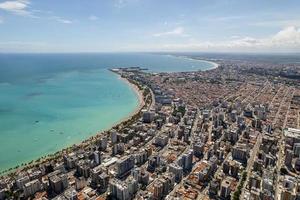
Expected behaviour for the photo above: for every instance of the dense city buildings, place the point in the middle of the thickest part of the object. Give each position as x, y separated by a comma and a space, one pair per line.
227, 133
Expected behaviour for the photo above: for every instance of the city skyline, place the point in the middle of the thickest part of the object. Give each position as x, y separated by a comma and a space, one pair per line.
143, 25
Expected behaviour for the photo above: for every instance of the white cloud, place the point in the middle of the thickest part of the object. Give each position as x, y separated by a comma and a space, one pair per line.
277, 23
287, 39
65, 21
61, 20
119, 3
19, 7
235, 37
289, 36
123, 3
226, 18
179, 31
22, 7
93, 18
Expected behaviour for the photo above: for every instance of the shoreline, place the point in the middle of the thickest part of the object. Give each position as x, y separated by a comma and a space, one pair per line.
215, 65
141, 103
140, 99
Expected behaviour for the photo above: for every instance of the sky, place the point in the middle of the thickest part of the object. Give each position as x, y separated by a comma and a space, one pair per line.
150, 25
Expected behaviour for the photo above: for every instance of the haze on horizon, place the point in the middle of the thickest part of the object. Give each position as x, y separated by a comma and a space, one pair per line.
149, 25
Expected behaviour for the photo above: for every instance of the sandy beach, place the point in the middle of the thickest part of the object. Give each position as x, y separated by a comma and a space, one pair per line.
215, 65
140, 97
141, 103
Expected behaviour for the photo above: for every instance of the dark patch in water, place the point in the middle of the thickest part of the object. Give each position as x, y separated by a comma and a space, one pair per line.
6, 110
33, 94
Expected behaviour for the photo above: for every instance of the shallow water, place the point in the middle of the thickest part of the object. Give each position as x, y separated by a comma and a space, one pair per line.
51, 101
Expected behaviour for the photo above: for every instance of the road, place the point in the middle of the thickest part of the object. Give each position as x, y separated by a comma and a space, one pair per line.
194, 128
280, 156
250, 162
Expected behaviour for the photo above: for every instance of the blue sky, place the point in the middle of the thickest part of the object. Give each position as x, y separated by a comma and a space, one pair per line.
149, 25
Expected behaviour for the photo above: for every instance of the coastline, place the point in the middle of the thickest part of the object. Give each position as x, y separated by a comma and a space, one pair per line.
139, 106
214, 64
138, 94
45, 158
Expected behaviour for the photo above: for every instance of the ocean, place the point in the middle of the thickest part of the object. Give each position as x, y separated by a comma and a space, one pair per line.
51, 101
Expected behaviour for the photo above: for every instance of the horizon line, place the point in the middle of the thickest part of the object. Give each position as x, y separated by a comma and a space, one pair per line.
150, 52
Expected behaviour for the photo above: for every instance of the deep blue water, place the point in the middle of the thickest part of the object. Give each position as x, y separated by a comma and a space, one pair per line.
31, 67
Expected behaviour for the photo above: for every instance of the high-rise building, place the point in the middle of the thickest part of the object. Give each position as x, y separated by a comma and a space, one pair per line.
288, 157
70, 161
20, 182
80, 183
141, 175
58, 183
32, 187
163, 186
198, 149
102, 143
161, 140
296, 149
187, 160
225, 189
158, 190
95, 175
124, 165
177, 171
123, 190
104, 181
113, 136
97, 157
148, 116
2, 194
240, 152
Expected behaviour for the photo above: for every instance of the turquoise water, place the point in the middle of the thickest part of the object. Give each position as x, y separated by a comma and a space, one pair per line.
51, 101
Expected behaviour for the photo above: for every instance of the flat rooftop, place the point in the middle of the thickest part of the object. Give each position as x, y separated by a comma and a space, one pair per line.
292, 132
